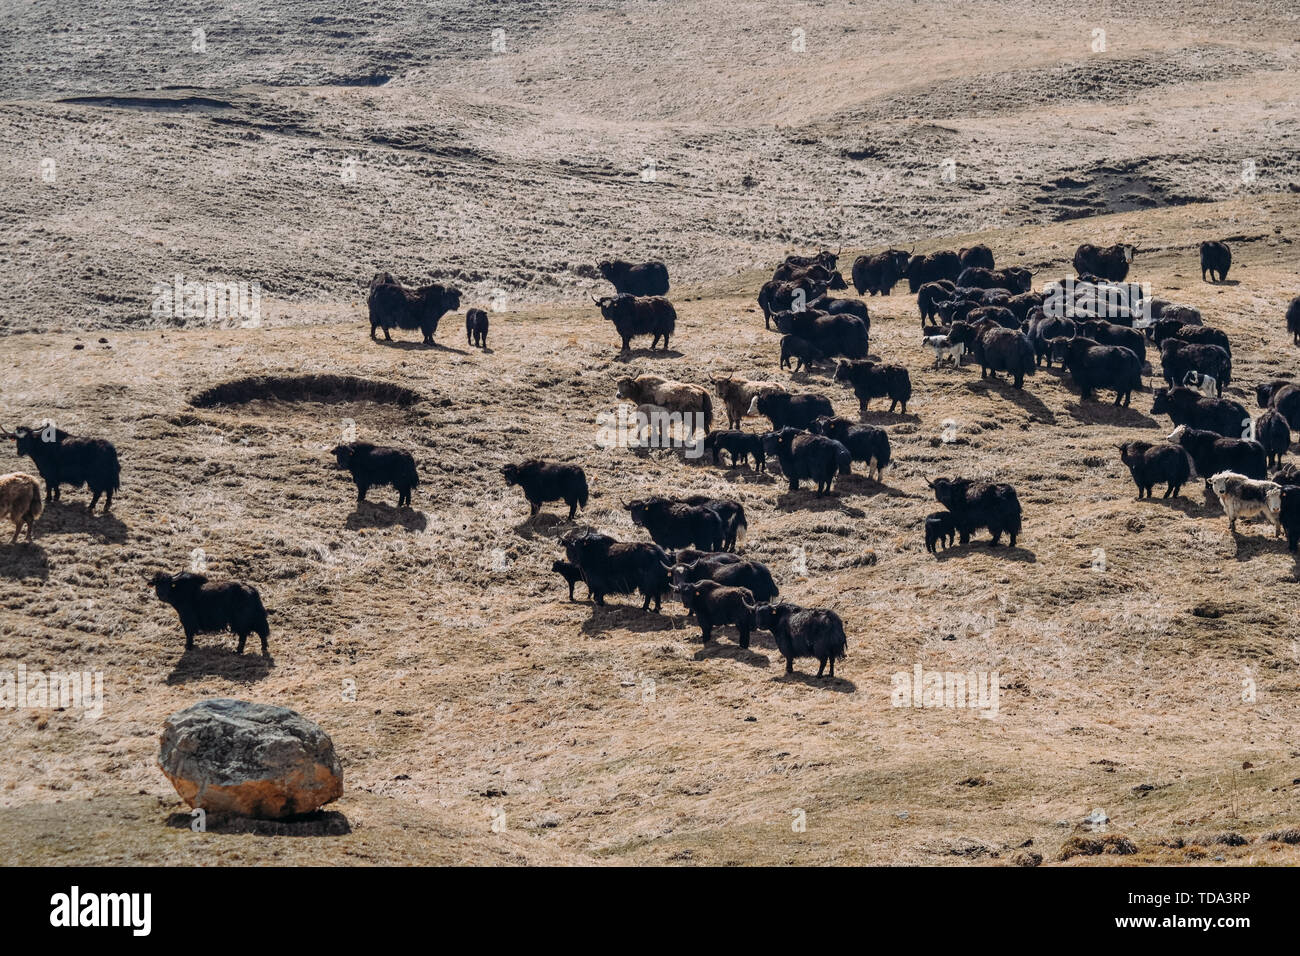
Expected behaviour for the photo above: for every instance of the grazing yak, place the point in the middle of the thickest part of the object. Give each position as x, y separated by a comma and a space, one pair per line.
726, 569
1273, 432
1216, 257
613, 567
940, 526
544, 481
20, 502
1015, 280
1186, 406
804, 353
804, 632
865, 442
63, 459
476, 328
1110, 333
672, 524
209, 607
635, 278
1093, 366
930, 295
732, 513
1152, 464
812, 457
832, 335
794, 411
832, 306
816, 272
740, 445
713, 603
932, 267
880, 273
825, 258
678, 397
392, 305
738, 395
569, 571
1005, 350
639, 315
1211, 453
1243, 497
1293, 320
1042, 328
1178, 358
1111, 262
375, 466
978, 256
1283, 396
792, 296
875, 380
979, 504
1197, 334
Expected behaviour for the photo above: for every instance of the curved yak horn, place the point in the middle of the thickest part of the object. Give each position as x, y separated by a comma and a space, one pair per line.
594, 299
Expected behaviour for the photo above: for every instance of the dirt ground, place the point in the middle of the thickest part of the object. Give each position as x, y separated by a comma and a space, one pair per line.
1146, 660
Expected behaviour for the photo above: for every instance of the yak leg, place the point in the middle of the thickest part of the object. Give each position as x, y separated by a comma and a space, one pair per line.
243, 639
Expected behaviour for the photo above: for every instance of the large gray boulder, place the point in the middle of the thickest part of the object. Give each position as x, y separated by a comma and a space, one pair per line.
257, 760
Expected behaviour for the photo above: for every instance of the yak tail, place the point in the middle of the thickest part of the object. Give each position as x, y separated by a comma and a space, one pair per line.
582, 494
846, 461
708, 412
741, 528
36, 505
117, 471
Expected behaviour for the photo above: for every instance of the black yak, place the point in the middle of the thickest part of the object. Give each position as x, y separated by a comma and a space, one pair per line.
1151, 464
635, 278
804, 632
375, 466
713, 603
613, 567
64, 459
875, 380
1216, 257
879, 273
812, 457
207, 607
1111, 262
1188, 407
636, 315
392, 305
979, 504
544, 481
476, 328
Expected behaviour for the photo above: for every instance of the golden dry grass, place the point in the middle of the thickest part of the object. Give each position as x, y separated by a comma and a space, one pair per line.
482, 690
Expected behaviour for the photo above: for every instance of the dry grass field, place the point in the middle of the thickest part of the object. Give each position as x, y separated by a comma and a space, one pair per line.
1148, 662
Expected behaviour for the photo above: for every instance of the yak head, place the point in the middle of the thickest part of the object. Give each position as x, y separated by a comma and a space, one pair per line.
612, 269
948, 490
168, 586
1263, 393
1128, 251
615, 307
510, 473
768, 617
1161, 402
639, 509
343, 454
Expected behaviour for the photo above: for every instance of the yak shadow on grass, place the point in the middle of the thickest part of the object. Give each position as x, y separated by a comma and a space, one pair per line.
407, 345
372, 514
546, 525
21, 561
1108, 413
215, 660
628, 617
1003, 550
317, 824
1021, 397
806, 499
865, 487
1186, 502
1255, 537
881, 418
646, 353
728, 650
62, 517
837, 684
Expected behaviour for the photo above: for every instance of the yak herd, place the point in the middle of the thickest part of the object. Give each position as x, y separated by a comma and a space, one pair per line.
1104, 331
